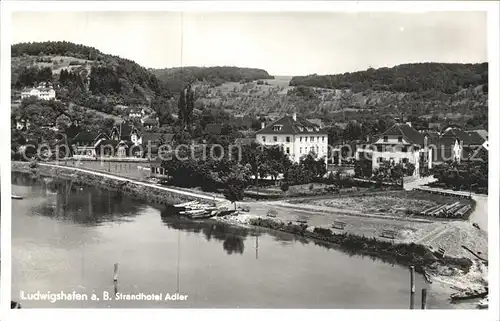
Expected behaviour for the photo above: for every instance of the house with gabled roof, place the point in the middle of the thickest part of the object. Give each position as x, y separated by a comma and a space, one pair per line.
297, 136
151, 143
456, 145
125, 131
84, 144
136, 112
150, 123
400, 144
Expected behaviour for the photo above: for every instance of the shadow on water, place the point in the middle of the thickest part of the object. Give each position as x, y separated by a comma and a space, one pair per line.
71, 201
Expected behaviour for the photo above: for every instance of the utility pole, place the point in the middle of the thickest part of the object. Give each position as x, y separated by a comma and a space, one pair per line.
257, 247
412, 287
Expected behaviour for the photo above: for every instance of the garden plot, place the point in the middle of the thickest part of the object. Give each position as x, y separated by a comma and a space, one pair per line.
397, 203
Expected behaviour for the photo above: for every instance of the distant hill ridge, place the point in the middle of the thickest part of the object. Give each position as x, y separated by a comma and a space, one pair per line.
458, 91
178, 76
447, 78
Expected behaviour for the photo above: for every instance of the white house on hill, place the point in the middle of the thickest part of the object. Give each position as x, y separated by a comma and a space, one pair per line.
298, 137
40, 93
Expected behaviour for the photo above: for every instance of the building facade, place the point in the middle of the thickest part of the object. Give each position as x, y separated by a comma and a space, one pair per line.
297, 137
400, 144
39, 93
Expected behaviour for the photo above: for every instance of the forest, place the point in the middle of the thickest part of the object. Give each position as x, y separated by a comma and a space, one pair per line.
109, 75
177, 78
418, 78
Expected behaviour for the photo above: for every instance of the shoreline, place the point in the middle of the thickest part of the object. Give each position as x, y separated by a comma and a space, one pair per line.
443, 275
392, 252
413, 254
141, 190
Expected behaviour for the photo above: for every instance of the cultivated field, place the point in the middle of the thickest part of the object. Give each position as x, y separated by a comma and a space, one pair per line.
397, 203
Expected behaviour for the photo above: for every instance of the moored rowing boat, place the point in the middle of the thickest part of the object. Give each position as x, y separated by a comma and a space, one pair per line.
469, 294
483, 304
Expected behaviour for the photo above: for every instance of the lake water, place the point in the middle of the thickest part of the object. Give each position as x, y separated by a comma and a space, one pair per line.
67, 238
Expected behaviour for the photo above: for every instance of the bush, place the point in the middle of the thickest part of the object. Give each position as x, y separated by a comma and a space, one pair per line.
322, 231
34, 164
332, 188
285, 187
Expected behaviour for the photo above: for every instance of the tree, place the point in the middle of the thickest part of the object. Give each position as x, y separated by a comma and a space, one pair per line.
235, 184
316, 167
253, 155
363, 167
186, 106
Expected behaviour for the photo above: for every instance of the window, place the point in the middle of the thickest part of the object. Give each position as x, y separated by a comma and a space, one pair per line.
264, 139
400, 139
386, 139
275, 138
300, 150
287, 139
405, 160
404, 149
317, 139
380, 159
306, 138
288, 150
301, 138
312, 138
312, 149
277, 127
323, 138
306, 150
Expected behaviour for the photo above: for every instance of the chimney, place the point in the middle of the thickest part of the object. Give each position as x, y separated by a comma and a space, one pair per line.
262, 125
294, 116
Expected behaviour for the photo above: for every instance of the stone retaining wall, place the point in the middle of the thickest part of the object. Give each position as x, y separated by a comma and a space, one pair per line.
149, 193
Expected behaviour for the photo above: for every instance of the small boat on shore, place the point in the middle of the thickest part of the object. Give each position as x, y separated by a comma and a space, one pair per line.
483, 304
204, 215
469, 294
16, 197
187, 204
191, 212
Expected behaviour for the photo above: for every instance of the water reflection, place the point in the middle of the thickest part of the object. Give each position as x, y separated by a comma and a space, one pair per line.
67, 200
161, 252
232, 237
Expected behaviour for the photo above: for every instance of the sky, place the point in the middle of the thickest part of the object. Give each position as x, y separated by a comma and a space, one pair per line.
284, 44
